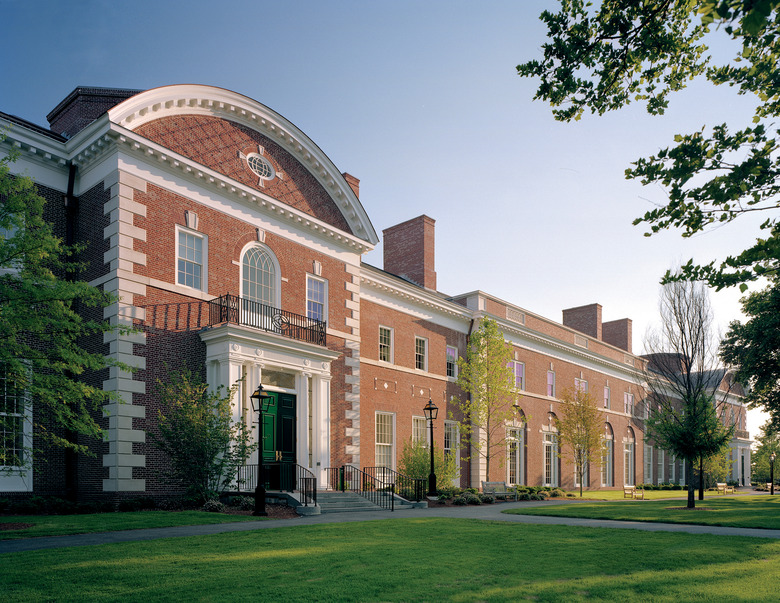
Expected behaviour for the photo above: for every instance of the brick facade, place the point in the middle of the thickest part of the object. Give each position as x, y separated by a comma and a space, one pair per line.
181, 165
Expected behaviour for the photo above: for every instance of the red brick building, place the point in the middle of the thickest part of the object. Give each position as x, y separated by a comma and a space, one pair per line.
234, 244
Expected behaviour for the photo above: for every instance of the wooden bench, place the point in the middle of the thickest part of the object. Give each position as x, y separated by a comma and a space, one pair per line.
498, 489
632, 492
724, 488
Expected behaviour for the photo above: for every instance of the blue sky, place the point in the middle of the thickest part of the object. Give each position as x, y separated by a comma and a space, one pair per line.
420, 100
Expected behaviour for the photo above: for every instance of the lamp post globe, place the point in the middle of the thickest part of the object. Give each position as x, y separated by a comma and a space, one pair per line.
431, 411
260, 403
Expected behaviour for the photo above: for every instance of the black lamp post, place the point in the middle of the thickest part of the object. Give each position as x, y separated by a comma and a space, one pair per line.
431, 412
772, 458
260, 403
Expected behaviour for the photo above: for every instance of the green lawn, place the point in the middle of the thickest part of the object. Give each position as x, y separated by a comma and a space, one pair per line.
405, 560
649, 494
59, 525
759, 511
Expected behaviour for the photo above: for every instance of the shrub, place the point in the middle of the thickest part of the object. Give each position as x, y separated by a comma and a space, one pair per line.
557, 493
444, 496
415, 462
471, 491
472, 499
543, 494
524, 496
213, 506
197, 433
136, 504
460, 501
537, 496
487, 499
571, 495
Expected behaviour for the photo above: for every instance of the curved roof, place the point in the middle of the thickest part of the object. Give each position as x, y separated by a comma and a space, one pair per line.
192, 99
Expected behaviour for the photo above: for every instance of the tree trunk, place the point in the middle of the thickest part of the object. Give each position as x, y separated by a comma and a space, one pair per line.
691, 497
701, 478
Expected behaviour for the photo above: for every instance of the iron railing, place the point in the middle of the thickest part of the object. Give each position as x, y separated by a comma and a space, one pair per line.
408, 488
349, 478
286, 477
238, 310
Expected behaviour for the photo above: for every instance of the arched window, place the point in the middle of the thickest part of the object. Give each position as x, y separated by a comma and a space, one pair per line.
608, 460
516, 451
628, 458
258, 282
550, 434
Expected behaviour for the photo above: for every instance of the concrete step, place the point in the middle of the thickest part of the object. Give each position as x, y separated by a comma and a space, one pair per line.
345, 502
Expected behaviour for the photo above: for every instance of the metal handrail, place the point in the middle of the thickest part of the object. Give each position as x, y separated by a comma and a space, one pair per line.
292, 478
408, 488
349, 478
239, 310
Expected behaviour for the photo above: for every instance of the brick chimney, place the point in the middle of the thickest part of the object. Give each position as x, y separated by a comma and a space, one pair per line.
409, 251
618, 333
83, 106
353, 182
585, 319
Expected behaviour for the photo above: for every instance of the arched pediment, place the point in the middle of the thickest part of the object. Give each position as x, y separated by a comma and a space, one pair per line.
302, 175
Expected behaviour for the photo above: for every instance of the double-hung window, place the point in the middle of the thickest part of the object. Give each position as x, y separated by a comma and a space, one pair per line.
551, 383
13, 406
452, 361
515, 449
648, 478
385, 439
316, 298
607, 401
628, 403
421, 353
385, 344
419, 433
191, 258
550, 459
581, 385
518, 370
450, 438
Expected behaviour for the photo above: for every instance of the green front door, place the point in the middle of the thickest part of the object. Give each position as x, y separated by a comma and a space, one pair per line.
279, 440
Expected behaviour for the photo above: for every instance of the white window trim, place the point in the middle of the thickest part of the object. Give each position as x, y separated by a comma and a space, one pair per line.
608, 463
552, 395
607, 397
393, 444
577, 382
20, 478
392, 344
520, 455
277, 301
648, 476
455, 361
324, 281
205, 256
660, 466
514, 364
425, 359
426, 431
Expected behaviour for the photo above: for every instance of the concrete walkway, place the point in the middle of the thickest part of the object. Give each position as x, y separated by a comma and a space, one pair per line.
485, 512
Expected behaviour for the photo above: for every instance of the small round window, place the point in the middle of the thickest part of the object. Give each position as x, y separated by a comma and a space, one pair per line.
260, 166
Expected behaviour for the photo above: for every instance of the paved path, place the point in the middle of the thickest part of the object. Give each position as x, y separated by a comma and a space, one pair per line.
486, 512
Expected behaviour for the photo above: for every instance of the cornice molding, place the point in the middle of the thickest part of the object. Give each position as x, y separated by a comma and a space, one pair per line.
218, 102
35, 145
412, 294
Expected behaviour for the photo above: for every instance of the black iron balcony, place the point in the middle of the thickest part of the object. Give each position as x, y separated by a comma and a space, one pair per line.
237, 310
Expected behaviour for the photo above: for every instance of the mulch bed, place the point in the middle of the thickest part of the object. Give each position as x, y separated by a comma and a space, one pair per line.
274, 512
15, 526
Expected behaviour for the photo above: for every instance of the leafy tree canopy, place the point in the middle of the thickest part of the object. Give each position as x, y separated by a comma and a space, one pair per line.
580, 431
486, 376
753, 348
42, 326
603, 56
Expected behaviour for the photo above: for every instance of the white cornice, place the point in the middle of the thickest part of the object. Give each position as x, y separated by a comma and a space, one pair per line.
218, 102
36, 146
370, 277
